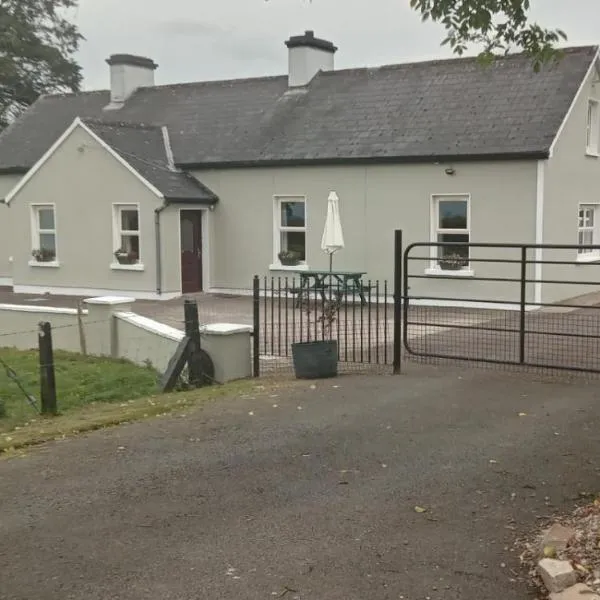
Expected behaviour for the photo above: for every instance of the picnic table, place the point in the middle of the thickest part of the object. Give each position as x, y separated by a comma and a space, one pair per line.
340, 282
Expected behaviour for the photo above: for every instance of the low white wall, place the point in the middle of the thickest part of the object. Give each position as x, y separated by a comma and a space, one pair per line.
110, 328
142, 340
19, 326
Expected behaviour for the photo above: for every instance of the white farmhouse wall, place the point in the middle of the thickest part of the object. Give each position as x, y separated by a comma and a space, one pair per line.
7, 230
84, 181
374, 201
571, 177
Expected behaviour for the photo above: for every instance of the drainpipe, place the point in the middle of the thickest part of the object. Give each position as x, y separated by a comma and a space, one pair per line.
157, 212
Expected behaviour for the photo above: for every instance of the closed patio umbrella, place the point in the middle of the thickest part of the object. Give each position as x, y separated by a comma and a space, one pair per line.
333, 236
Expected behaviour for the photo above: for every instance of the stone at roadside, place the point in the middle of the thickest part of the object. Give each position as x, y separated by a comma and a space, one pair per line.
575, 592
557, 575
557, 537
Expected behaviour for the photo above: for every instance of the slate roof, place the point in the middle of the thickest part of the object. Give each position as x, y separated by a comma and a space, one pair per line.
144, 148
411, 112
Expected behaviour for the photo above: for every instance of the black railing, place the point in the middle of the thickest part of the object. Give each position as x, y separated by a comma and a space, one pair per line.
516, 304
286, 313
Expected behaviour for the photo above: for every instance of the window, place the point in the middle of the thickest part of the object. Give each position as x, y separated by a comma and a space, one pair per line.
290, 234
587, 231
451, 225
127, 234
593, 127
43, 233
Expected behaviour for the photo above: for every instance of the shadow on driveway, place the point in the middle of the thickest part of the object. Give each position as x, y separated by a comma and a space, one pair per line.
313, 498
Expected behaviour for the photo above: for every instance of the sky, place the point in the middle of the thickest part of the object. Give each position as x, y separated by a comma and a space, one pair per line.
200, 40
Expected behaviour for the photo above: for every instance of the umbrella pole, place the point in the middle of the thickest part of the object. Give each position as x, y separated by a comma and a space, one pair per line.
331, 262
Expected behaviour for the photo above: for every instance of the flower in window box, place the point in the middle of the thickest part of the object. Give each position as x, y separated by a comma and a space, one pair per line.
453, 262
289, 258
43, 255
124, 257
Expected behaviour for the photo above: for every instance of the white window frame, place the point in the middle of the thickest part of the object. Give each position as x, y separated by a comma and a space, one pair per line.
434, 231
117, 209
591, 255
36, 232
593, 127
278, 230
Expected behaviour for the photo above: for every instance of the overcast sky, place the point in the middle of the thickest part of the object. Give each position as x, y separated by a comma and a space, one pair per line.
195, 40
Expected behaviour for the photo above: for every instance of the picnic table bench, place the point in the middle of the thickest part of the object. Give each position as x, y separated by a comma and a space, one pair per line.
341, 283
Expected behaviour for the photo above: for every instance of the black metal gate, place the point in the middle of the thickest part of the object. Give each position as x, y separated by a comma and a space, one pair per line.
509, 304
285, 313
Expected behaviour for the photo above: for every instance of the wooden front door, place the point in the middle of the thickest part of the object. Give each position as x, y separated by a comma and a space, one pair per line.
191, 251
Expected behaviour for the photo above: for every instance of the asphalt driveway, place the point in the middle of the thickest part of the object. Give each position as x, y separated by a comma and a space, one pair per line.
313, 498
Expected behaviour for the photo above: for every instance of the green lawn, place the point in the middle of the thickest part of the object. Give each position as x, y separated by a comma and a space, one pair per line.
79, 381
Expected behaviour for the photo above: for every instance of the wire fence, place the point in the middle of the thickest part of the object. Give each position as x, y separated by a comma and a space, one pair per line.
79, 379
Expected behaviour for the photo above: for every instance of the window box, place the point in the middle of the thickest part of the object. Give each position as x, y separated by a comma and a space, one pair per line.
43, 255
126, 258
289, 258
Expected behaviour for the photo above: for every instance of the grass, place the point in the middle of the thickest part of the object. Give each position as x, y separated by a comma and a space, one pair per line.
80, 381
99, 415
94, 393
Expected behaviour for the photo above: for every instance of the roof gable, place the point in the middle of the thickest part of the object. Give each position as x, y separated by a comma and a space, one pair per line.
57, 145
410, 112
141, 150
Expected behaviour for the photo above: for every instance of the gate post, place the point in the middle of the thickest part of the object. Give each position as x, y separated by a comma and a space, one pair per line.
192, 330
397, 361
256, 327
523, 301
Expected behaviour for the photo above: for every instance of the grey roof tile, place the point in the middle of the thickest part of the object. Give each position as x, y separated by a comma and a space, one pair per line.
418, 111
143, 147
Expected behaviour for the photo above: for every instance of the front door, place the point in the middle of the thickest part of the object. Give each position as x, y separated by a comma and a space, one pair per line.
191, 251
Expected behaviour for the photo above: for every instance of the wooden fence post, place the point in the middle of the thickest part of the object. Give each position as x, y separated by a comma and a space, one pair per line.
47, 378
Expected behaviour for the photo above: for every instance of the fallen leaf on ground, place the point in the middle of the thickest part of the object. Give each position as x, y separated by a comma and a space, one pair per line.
522, 414
420, 509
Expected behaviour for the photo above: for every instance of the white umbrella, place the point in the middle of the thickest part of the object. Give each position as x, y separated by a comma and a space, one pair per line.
333, 237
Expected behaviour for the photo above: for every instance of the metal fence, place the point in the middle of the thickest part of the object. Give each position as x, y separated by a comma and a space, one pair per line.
523, 305
284, 315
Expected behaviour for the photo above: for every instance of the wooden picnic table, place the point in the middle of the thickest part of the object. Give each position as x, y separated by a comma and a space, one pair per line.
340, 282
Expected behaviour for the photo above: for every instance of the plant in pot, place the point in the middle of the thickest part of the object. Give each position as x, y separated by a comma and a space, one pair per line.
453, 262
318, 359
43, 255
124, 257
289, 258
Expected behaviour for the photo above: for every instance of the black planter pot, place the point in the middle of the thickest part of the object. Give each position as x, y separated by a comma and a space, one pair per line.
315, 360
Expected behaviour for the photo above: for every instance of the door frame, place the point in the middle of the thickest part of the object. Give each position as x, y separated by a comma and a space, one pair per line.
204, 224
